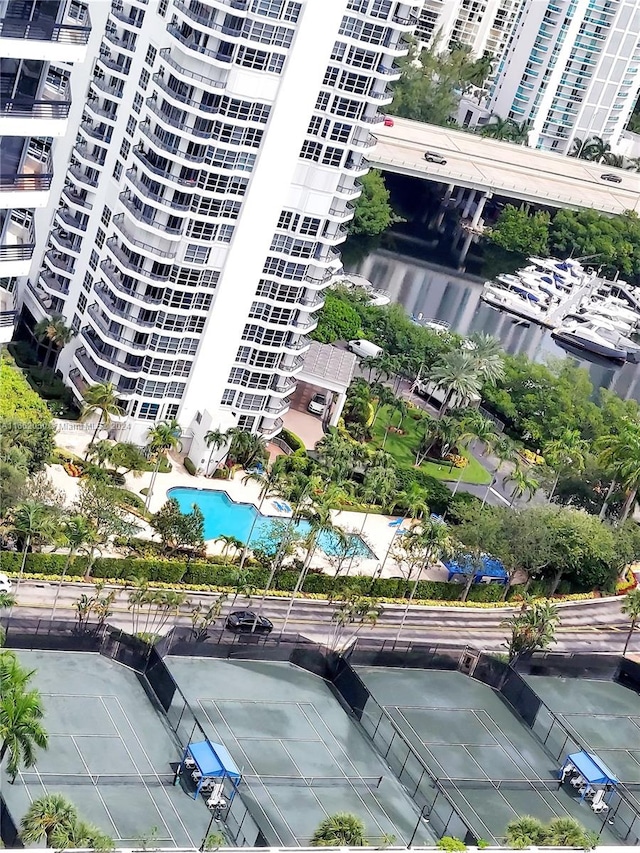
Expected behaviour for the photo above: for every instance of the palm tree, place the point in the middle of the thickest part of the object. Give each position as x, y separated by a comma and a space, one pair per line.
533, 627
247, 448
401, 407
100, 398
55, 332
497, 128
436, 542
615, 160
129, 456
80, 834
475, 427
269, 482
339, 830
77, 532
384, 397
44, 816
524, 483
458, 375
565, 832
21, 729
487, 355
578, 147
161, 438
597, 149
506, 451
32, 521
99, 453
525, 831
631, 608
229, 542
318, 517
620, 453
520, 132
215, 439
568, 452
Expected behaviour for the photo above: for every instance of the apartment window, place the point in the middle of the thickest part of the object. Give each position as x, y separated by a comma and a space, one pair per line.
117, 171
87, 281
100, 237
323, 102
337, 54
93, 260
196, 254
292, 12
75, 323
228, 396
381, 9
311, 150
340, 132
150, 58
171, 411
144, 79
163, 5
82, 303
286, 217
310, 226
131, 126
137, 102
332, 156
149, 411
106, 216
267, 8
331, 76
125, 148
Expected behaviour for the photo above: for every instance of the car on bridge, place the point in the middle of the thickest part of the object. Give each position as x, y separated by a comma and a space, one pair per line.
615, 179
434, 157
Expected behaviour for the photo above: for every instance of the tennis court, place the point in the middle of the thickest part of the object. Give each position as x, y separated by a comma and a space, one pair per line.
603, 716
301, 756
489, 764
109, 752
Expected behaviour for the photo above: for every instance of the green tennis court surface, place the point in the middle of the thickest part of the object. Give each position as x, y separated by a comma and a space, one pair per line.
489, 763
302, 757
109, 753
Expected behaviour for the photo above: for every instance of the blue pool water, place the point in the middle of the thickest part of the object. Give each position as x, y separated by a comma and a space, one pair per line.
224, 517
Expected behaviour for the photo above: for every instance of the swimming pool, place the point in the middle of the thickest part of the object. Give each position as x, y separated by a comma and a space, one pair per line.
224, 517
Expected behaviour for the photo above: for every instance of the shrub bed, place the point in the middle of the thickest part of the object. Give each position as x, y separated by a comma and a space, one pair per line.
189, 466
294, 441
204, 572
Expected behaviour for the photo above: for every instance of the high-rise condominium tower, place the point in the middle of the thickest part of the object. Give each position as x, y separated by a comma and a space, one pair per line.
483, 25
40, 40
215, 164
572, 69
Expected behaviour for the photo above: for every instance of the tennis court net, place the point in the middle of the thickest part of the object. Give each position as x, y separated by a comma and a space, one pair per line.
51, 780
369, 782
449, 784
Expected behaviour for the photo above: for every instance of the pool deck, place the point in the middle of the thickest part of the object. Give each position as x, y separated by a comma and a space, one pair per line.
374, 529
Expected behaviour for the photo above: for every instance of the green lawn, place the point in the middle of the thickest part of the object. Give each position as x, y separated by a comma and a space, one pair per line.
402, 448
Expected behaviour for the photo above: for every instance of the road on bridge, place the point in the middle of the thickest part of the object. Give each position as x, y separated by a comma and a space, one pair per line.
502, 168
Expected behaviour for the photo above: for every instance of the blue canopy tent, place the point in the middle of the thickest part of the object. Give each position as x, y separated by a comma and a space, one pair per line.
213, 761
592, 769
490, 570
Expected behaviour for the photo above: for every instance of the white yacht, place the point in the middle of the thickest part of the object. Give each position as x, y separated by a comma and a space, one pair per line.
599, 337
513, 300
514, 283
440, 326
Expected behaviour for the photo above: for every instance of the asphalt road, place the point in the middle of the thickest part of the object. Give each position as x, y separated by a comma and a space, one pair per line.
592, 626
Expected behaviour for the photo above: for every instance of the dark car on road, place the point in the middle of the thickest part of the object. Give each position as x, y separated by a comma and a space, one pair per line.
614, 179
242, 622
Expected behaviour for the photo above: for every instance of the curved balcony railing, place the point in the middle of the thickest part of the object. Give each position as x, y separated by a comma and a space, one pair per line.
142, 188
151, 222
115, 279
208, 21
16, 28
17, 108
117, 251
207, 82
25, 183
215, 55
118, 221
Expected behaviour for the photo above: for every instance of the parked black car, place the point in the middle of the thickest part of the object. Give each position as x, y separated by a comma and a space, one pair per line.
242, 622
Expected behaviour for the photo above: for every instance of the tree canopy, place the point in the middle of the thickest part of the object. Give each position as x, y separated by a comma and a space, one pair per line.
338, 321
608, 242
373, 213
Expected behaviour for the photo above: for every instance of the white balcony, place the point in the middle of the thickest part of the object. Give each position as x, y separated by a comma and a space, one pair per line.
16, 250
28, 188
7, 316
42, 39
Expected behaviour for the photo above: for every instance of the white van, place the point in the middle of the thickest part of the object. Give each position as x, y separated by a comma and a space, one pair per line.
365, 349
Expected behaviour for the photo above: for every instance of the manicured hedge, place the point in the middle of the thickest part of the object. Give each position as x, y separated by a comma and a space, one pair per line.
204, 572
294, 441
188, 464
